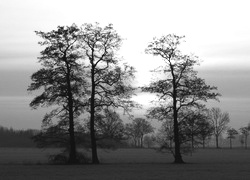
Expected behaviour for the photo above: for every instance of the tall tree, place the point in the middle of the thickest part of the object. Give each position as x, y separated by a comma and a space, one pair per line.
180, 85
219, 121
61, 79
231, 132
109, 79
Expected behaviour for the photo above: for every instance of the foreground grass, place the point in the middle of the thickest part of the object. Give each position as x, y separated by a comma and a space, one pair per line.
129, 164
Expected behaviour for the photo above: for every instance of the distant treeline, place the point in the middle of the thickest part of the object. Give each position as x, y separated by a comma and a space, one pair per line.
16, 138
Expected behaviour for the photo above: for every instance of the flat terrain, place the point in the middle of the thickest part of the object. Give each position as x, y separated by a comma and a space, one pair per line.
129, 164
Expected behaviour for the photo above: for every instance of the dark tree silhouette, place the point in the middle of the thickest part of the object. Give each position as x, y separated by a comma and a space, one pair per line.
219, 121
61, 78
180, 85
231, 132
109, 79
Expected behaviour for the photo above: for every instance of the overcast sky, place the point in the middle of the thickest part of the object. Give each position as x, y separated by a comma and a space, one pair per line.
218, 31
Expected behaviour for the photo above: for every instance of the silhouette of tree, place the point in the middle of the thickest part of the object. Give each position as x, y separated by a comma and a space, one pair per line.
61, 78
231, 135
219, 121
109, 79
180, 87
245, 132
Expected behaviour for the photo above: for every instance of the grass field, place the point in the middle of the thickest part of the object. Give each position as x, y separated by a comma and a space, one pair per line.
130, 164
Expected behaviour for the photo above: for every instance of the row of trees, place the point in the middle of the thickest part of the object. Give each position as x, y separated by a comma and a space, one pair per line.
82, 78
16, 138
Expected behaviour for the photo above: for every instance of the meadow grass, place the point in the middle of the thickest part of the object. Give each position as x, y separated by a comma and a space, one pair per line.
122, 164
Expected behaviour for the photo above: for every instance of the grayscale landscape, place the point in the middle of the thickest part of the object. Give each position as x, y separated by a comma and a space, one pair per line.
135, 89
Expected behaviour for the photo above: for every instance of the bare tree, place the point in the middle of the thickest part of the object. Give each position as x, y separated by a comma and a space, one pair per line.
109, 79
219, 121
231, 132
180, 88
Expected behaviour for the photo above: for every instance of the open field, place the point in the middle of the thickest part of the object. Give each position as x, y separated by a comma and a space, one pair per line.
128, 164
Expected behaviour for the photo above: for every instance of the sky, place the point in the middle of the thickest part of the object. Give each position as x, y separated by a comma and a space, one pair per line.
218, 31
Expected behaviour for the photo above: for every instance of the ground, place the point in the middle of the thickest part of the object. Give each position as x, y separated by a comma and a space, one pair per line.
128, 164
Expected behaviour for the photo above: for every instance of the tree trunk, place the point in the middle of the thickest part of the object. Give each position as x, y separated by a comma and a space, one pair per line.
141, 141
177, 155
217, 141
246, 142
203, 143
95, 159
72, 151
192, 140
230, 143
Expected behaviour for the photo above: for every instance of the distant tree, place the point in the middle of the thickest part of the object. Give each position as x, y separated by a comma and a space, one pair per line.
180, 88
231, 132
62, 81
245, 133
16, 138
205, 131
219, 121
165, 135
132, 133
242, 140
149, 140
195, 126
109, 79
110, 130
138, 128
